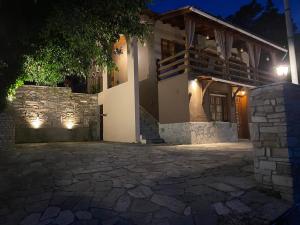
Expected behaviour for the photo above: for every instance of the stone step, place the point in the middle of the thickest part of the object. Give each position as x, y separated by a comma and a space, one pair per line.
149, 128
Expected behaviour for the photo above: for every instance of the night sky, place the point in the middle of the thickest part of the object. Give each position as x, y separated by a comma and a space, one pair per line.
221, 7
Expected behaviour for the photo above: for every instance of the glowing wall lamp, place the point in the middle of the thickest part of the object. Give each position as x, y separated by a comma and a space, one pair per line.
69, 124
282, 70
194, 83
36, 123
242, 93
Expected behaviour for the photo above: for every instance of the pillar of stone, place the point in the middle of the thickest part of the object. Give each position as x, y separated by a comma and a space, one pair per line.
275, 133
7, 130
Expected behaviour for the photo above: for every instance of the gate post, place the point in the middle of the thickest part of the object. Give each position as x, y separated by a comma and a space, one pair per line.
275, 134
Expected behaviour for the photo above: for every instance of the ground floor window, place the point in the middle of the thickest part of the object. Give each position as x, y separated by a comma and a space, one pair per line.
218, 107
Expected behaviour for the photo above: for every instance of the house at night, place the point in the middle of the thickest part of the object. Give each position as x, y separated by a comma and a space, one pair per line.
188, 83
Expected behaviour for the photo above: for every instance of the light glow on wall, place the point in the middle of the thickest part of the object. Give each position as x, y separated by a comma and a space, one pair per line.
36, 123
194, 84
10, 98
282, 70
242, 93
69, 124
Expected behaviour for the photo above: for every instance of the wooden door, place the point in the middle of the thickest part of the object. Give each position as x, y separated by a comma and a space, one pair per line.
242, 117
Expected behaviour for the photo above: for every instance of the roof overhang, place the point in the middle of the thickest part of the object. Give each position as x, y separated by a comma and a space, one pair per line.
193, 10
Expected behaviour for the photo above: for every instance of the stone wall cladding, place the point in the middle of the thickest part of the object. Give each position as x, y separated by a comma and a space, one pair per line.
198, 132
55, 106
275, 133
7, 131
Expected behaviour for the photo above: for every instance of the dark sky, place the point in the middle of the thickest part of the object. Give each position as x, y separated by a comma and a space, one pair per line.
221, 7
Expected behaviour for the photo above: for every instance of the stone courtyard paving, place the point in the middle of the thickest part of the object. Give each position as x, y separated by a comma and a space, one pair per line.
115, 184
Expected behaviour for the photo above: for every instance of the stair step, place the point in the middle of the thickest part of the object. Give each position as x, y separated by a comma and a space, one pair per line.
149, 129
155, 141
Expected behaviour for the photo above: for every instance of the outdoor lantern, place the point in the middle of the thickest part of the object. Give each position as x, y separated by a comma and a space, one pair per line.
282, 70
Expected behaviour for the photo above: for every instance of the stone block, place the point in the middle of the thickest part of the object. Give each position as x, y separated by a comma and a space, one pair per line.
276, 115
268, 109
267, 165
273, 129
280, 108
280, 152
280, 180
259, 152
259, 119
283, 169
267, 180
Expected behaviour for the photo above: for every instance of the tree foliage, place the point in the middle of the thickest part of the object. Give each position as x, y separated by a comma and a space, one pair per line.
47, 40
247, 15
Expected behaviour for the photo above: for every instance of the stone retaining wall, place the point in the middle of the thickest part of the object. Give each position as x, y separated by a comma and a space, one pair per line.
7, 130
198, 132
45, 114
275, 133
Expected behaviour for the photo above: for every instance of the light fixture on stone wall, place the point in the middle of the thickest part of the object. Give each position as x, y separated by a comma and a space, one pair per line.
69, 124
37, 122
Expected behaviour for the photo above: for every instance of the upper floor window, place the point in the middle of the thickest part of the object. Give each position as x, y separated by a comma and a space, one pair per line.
218, 107
169, 48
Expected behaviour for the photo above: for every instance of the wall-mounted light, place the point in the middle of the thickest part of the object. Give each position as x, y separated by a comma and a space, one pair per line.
242, 93
69, 124
242, 50
267, 59
282, 70
207, 37
194, 83
37, 122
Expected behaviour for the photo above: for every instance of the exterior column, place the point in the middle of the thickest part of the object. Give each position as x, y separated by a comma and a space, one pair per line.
133, 79
275, 133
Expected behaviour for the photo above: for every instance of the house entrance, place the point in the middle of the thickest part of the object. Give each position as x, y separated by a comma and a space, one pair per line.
242, 117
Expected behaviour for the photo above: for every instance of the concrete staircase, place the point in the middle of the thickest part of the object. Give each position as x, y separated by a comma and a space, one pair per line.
149, 130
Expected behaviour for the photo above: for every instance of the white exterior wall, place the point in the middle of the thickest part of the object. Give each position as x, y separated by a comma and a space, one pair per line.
121, 104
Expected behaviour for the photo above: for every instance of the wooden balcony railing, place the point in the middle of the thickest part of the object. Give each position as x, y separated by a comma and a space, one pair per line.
206, 64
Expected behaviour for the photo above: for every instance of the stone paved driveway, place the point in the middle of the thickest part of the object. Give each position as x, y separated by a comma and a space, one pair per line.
114, 184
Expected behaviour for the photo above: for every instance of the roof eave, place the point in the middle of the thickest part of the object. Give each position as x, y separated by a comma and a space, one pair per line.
213, 18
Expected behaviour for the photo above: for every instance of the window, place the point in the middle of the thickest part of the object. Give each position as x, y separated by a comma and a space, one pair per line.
167, 48
218, 107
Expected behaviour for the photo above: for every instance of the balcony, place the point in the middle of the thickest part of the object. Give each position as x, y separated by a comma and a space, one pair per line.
208, 65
